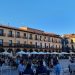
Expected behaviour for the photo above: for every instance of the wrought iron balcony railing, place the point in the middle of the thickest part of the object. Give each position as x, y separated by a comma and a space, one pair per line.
10, 35
3, 34
5, 44
18, 36
30, 38
24, 37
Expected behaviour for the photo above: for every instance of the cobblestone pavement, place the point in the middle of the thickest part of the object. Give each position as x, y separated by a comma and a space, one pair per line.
64, 64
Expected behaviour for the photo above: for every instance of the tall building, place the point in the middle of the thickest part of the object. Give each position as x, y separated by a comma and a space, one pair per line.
28, 39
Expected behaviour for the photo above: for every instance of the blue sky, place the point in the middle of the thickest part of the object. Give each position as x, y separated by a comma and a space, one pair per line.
57, 16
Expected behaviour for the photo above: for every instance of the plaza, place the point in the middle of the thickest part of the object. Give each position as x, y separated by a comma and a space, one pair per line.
64, 63
37, 37
32, 45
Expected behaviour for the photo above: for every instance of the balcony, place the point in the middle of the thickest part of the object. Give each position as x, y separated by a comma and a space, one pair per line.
18, 36
40, 39
24, 46
45, 40
24, 37
16, 45
36, 38
38, 46
10, 35
3, 34
30, 38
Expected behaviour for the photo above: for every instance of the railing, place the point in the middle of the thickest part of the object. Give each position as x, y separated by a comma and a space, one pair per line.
2, 34
15, 45
24, 37
30, 38
5, 44
36, 38
18, 36
10, 35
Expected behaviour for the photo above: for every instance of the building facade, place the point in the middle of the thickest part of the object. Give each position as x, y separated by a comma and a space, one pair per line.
28, 39
69, 42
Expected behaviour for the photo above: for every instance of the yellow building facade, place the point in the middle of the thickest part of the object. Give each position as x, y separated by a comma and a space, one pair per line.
71, 40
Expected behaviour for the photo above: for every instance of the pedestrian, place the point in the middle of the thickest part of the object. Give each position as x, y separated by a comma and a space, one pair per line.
21, 68
41, 69
57, 68
28, 70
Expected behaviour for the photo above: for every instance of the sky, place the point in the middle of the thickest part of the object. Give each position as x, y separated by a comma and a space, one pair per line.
55, 16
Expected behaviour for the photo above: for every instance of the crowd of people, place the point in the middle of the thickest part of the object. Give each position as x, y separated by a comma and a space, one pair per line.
36, 65
39, 67
31, 65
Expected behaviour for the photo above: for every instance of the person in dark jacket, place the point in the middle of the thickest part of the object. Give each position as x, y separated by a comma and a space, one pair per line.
41, 69
55, 60
28, 70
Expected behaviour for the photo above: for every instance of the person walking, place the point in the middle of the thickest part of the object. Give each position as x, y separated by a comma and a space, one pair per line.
21, 68
57, 68
28, 70
41, 69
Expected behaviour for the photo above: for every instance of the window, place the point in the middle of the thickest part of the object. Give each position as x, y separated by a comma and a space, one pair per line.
1, 42
10, 33
35, 37
52, 39
52, 46
1, 31
48, 39
45, 45
45, 38
40, 38
36, 44
56, 46
24, 35
18, 42
18, 34
71, 41
41, 45
49, 45
30, 36
10, 42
